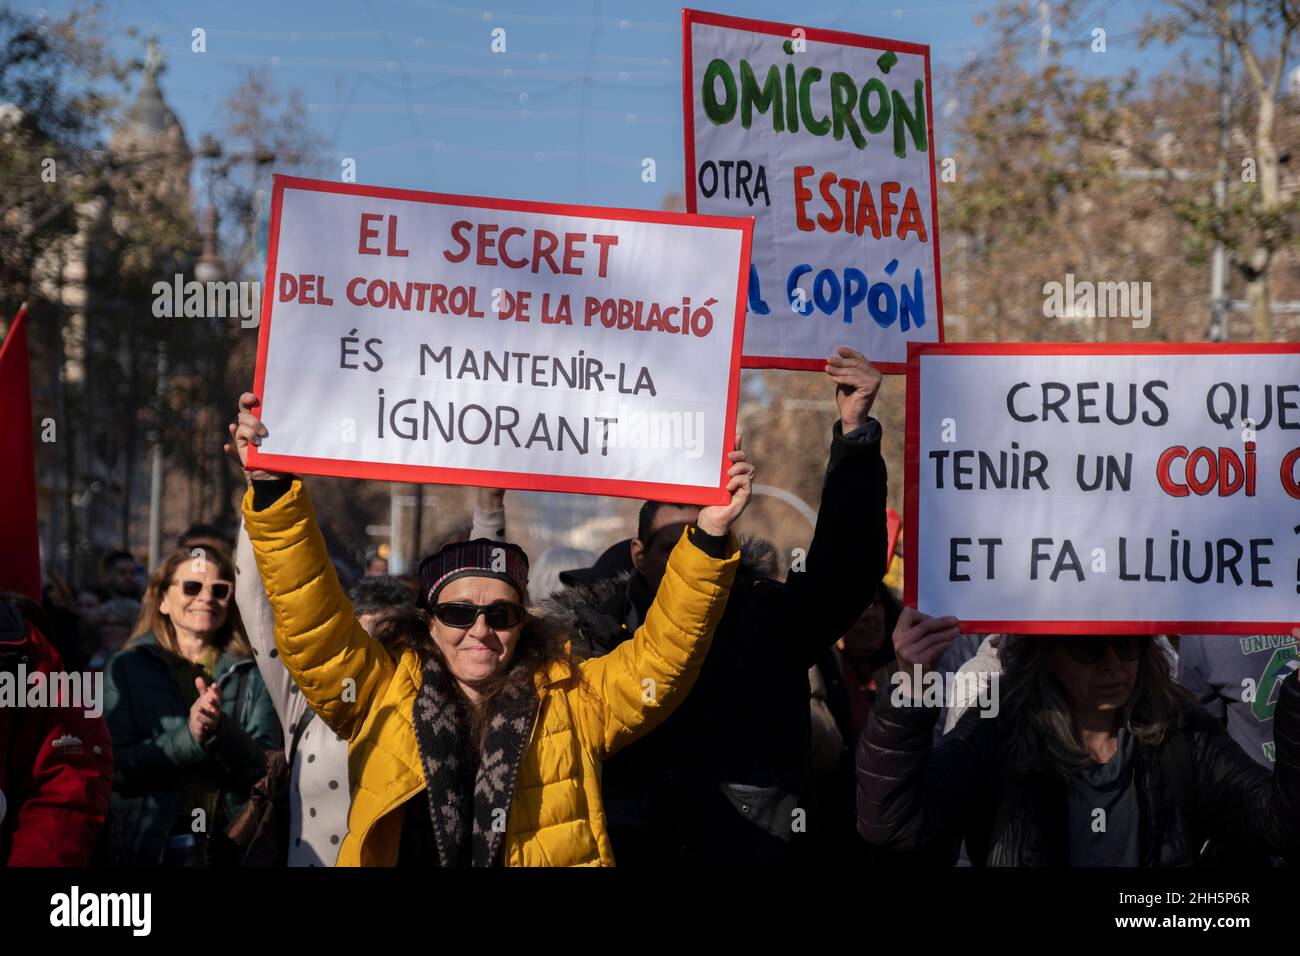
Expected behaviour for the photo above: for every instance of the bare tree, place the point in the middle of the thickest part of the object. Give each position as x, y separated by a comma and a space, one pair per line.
1261, 34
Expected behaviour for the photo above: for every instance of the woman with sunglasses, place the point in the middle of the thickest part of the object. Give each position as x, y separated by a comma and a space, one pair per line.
1091, 756
190, 717
483, 745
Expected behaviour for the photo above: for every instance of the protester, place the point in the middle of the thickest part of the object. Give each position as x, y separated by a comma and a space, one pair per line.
374, 597
550, 567
117, 617
89, 602
724, 779
55, 760
614, 561
200, 535
844, 684
1088, 729
508, 727
62, 627
55, 594
119, 577
855, 669
191, 719
319, 795
1238, 681
760, 556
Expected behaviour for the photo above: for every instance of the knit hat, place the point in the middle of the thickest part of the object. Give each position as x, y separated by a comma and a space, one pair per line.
481, 557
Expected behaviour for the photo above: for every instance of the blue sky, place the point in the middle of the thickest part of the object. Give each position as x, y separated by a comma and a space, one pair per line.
585, 91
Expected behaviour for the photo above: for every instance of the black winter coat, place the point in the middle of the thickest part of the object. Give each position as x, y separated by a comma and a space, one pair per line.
721, 779
1200, 798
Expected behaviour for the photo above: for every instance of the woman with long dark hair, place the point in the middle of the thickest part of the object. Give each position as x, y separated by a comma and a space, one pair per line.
190, 717
481, 745
1087, 754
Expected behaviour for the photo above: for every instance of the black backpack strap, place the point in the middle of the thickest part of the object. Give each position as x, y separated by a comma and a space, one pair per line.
303, 721
241, 685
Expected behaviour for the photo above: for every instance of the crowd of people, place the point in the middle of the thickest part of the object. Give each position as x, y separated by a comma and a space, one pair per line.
672, 700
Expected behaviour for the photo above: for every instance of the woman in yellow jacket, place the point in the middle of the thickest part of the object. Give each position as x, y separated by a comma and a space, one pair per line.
484, 746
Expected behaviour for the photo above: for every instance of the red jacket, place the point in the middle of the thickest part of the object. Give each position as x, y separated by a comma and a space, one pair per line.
56, 764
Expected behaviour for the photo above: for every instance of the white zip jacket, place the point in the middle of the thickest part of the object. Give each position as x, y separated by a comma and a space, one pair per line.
319, 795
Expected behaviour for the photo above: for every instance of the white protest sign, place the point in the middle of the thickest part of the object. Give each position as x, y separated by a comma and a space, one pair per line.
826, 138
412, 336
1105, 488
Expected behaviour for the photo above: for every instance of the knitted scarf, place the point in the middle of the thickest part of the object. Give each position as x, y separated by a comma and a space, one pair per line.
469, 813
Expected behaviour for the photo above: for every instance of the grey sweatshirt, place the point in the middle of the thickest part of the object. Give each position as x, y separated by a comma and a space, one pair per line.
1237, 680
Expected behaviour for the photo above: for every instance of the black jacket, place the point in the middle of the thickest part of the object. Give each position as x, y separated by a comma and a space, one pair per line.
721, 778
1200, 798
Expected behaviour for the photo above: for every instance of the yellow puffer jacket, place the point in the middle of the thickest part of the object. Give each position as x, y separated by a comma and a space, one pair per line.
557, 817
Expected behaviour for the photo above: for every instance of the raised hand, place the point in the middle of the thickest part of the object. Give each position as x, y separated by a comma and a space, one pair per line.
922, 639
248, 430
856, 383
718, 519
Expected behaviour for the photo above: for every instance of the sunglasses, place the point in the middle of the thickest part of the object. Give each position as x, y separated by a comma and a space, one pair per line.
500, 617
1089, 650
220, 589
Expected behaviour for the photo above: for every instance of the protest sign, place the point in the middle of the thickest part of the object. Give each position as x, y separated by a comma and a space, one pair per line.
826, 138
1110, 489
413, 336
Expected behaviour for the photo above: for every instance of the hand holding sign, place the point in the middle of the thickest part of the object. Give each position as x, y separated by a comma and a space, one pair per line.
718, 519
856, 384
919, 641
470, 341
247, 431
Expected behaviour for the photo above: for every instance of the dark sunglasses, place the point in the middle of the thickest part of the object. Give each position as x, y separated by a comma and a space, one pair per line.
220, 589
459, 614
1089, 650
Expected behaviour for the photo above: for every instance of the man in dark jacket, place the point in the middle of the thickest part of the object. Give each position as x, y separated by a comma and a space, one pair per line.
56, 762
721, 780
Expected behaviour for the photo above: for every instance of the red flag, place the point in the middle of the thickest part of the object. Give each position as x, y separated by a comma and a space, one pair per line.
20, 550
893, 524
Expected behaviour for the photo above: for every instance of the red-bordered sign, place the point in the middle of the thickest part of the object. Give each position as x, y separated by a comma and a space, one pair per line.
383, 471
913, 503
817, 35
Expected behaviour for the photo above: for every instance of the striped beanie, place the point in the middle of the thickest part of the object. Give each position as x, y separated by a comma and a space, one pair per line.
481, 557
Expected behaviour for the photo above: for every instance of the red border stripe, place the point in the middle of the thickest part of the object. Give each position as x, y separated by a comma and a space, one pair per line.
388, 471
912, 485
817, 35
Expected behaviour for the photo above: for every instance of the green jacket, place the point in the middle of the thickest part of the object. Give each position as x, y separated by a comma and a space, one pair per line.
154, 755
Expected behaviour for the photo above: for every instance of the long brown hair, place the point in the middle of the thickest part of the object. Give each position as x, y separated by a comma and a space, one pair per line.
228, 638
1041, 727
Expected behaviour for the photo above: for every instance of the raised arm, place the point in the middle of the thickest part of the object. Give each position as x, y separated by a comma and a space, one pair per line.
913, 794
259, 624
846, 559
489, 514
639, 683
336, 665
